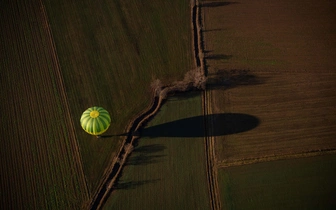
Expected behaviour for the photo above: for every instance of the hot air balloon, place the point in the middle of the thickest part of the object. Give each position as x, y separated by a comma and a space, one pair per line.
95, 120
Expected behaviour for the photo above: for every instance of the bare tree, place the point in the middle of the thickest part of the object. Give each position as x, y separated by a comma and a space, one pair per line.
157, 85
193, 79
128, 148
196, 78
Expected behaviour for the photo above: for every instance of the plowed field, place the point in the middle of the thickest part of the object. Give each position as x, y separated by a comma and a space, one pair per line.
40, 162
276, 62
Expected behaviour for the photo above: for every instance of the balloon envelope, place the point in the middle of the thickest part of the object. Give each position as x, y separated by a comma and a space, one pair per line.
95, 120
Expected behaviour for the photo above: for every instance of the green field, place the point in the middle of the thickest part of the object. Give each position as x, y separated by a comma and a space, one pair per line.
305, 183
57, 59
166, 172
109, 52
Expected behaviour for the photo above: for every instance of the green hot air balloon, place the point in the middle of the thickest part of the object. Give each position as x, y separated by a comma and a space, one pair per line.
95, 120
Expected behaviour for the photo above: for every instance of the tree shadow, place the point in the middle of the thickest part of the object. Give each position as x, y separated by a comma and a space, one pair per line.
143, 159
212, 30
180, 96
217, 4
207, 51
143, 155
218, 57
226, 79
132, 184
223, 124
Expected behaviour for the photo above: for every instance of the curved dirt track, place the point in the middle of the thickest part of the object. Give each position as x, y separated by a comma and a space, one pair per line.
107, 186
126, 148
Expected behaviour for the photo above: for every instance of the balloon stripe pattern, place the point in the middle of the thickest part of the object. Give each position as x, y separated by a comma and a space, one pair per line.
95, 120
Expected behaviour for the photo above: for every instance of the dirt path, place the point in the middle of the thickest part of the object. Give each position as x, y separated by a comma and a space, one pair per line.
224, 164
206, 96
64, 100
107, 187
210, 154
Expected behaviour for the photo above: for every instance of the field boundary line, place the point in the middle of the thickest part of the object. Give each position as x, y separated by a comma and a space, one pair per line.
74, 141
210, 153
209, 140
241, 162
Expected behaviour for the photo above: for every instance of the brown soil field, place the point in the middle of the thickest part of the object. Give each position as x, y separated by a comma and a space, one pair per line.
40, 162
272, 60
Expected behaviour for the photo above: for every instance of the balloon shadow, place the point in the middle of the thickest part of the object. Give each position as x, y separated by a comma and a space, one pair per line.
222, 124
144, 155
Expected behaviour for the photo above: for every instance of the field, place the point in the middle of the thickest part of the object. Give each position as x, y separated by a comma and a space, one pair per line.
276, 65
305, 183
58, 59
110, 52
261, 135
167, 168
40, 161
271, 67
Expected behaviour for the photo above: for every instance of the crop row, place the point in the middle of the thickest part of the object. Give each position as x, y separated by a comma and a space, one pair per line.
39, 166
272, 61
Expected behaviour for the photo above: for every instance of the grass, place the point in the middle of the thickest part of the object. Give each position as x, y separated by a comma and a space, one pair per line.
306, 183
40, 166
109, 52
165, 172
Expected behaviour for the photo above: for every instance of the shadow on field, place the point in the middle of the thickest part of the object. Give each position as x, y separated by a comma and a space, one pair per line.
132, 184
143, 155
226, 79
181, 96
223, 124
212, 30
217, 4
218, 57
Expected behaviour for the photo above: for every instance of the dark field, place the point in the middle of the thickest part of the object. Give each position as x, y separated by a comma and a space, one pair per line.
58, 59
305, 183
166, 172
110, 52
270, 101
40, 165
